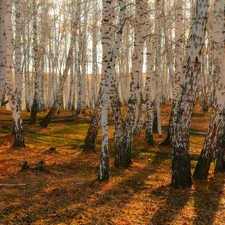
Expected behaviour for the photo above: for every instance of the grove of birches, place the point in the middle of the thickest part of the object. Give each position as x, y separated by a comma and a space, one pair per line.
104, 55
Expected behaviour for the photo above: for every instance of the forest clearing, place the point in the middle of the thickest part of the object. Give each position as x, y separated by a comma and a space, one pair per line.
66, 190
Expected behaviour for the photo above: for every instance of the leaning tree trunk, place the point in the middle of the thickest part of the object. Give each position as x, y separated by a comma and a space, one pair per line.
181, 170
56, 104
214, 138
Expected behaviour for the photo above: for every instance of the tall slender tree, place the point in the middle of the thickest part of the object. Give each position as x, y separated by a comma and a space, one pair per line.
158, 88
58, 100
136, 72
214, 141
181, 171
2, 49
149, 102
12, 95
106, 34
104, 166
178, 74
36, 99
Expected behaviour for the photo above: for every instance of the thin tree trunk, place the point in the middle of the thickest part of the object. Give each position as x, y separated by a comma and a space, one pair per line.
158, 81
13, 97
2, 50
177, 80
137, 60
148, 86
104, 166
35, 105
45, 122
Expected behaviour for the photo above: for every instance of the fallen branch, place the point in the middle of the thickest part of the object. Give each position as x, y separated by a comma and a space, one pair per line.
12, 185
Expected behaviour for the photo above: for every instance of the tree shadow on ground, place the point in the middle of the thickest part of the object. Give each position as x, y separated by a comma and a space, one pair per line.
68, 191
174, 203
206, 196
207, 199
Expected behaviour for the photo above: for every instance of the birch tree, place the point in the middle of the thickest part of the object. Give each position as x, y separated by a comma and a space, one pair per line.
95, 71
57, 102
214, 141
2, 48
36, 62
178, 73
136, 72
149, 102
18, 53
181, 171
104, 166
158, 89
106, 34
12, 95
26, 20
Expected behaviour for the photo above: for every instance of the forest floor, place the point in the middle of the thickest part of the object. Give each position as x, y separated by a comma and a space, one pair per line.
65, 190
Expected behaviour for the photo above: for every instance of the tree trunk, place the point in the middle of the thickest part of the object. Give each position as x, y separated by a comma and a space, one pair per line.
104, 166
181, 170
13, 97
148, 86
214, 137
119, 126
90, 139
158, 89
106, 34
136, 72
2, 49
45, 122
177, 79
35, 105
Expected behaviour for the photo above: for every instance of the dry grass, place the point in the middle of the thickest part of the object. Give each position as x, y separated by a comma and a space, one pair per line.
67, 192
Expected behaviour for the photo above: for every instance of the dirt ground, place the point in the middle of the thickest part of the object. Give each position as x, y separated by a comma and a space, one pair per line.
64, 190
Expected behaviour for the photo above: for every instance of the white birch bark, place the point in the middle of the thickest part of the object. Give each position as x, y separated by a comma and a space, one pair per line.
59, 95
178, 74
79, 58
104, 166
106, 40
26, 21
158, 88
18, 53
181, 171
149, 87
12, 95
84, 91
2, 48
215, 134
95, 36
167, 81
136, 72
36, 64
